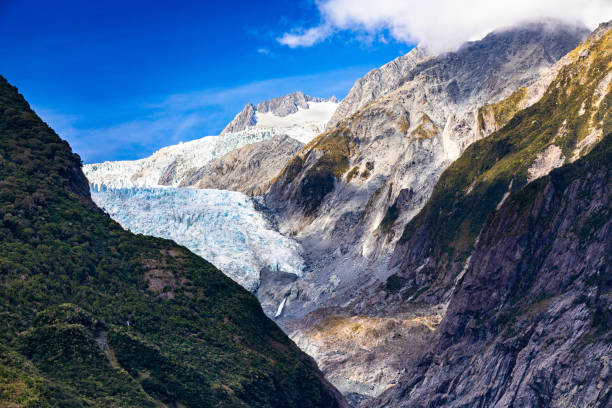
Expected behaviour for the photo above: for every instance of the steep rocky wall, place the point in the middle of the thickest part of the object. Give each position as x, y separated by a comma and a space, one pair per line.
529, 322
568, 120
348, 195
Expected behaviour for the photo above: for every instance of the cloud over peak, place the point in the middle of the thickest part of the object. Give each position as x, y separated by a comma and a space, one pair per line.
441, 24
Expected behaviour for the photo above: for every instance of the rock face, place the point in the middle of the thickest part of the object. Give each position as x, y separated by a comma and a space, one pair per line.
377, 82
95, 316
569, 119
436, 251
348, 195
249, 169
281, 106
529, 322
243, 120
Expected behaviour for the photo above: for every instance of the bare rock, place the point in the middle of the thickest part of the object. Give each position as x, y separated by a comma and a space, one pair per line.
249, 169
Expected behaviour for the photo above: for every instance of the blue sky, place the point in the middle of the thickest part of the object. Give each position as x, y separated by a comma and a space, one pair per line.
120, 79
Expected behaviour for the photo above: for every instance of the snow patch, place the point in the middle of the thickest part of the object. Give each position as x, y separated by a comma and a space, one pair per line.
221, 226
302, 125
505, 197
551, 158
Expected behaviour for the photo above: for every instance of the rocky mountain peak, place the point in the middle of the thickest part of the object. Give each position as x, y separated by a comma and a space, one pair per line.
288, 104
506, 51
281, 106
244, 119
376, 83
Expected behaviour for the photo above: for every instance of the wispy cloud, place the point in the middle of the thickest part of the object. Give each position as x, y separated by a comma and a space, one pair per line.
305, 38
184, 116
440, 24
126, 140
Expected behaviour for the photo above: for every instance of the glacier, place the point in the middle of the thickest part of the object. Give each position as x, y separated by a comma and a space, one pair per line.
222, 226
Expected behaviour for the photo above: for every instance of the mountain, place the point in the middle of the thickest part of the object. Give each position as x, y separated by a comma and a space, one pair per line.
571, 117
92, 315
529, 321
280, 107
170, 165
348, 194
381, 216
436, 251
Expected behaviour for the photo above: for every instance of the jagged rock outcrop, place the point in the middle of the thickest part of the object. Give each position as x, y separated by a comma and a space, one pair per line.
243, 120
377, 82
281, 106
288, 104
249, 169
529, 322
348, 195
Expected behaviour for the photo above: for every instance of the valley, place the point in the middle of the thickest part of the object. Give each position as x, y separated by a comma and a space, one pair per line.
371, 273
442, 236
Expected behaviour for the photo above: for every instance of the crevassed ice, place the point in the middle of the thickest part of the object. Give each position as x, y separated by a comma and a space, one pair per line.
221, 226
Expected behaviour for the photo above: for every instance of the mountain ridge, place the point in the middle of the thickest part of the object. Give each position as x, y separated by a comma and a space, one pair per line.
170, 165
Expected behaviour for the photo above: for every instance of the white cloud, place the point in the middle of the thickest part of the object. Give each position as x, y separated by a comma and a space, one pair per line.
305, 38
441, 24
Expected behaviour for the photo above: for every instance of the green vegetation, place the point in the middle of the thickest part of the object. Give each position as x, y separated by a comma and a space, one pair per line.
337, 147
322, 161
472, 187
403, 124
426, 129
501, 112
94, 316
354, 171
394, 283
